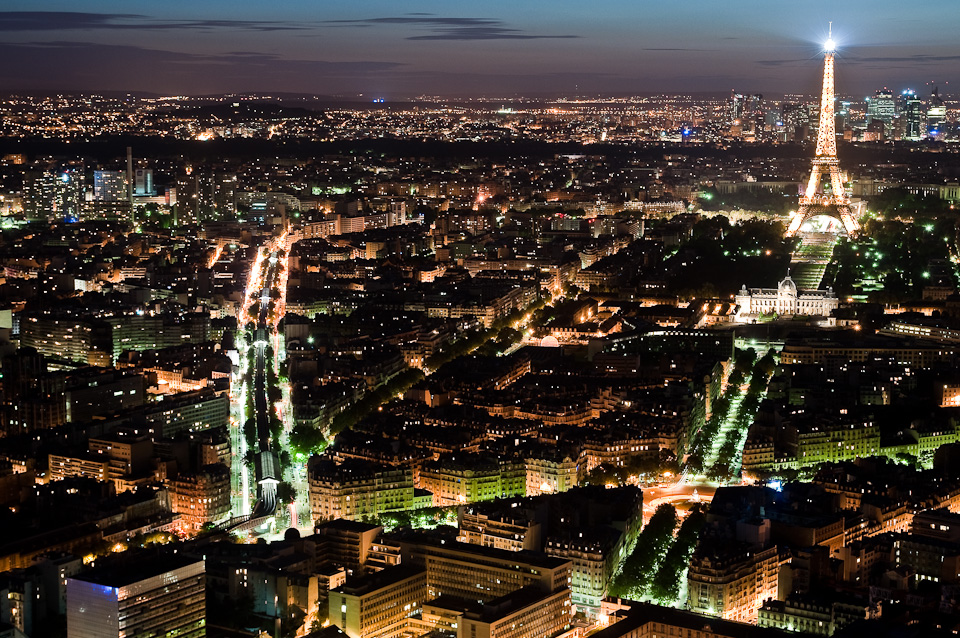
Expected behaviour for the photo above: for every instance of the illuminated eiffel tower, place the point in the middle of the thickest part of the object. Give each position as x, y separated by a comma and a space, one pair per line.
815, 201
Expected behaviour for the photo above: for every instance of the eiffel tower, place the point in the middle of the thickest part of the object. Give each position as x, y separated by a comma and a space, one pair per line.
815, 201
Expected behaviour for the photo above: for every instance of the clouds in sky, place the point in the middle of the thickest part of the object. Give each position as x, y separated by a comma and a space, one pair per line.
440, 28
501, 47
38, 21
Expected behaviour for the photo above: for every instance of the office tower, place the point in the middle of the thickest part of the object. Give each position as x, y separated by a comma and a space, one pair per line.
195, 196
53, 195
755, 111
794, 118
159, 596
109, 186
911, 115
143, 182
225, 195
881, 107
736, 106
936, 113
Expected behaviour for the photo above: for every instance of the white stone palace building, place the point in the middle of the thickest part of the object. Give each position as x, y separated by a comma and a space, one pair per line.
785, 300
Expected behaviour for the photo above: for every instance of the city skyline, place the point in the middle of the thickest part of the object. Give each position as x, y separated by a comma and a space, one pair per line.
498, 49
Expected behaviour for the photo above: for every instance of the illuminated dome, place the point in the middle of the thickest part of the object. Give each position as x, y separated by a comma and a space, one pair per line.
787, 286
549, 342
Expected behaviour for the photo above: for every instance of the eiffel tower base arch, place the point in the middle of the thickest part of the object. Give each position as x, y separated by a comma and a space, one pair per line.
841, 213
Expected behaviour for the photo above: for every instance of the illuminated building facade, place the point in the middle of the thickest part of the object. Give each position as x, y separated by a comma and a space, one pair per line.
912, 116
454, 481
936, 113
110, 186
734, 584
523, 613
882, 107
357, 489
594, 556
549, 475
53, 195
785, 300
369, 608
498, 532
203, 497
810, 616
483, 573
143, 182
154, 597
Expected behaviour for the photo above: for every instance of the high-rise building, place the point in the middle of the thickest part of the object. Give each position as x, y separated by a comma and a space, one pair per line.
736, 107
881, 107
160, 596
936, 113
755, 113
109, 186
53, 195
143, 182
912, 116
30, 397
195, 196
795, 121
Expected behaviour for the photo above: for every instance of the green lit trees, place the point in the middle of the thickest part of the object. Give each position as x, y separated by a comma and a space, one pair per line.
665, 586
638, 569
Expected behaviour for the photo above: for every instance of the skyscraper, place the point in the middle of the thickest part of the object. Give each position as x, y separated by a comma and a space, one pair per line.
936, 113
143, 182
53, 195
911, 115
881, 107
736, 107
109, 186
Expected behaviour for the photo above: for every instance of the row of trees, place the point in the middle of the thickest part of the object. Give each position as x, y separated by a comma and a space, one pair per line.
637, 572
428, 517
666, 583
501, 334
655, 567
702, 442
728, 460
373, 399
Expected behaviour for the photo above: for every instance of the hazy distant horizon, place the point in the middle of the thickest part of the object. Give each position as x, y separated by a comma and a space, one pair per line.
494, 49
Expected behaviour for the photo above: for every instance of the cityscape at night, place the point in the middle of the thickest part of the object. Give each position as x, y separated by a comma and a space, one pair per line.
516, 320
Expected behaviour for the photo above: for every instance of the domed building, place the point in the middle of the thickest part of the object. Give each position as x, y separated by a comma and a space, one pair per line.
785, 300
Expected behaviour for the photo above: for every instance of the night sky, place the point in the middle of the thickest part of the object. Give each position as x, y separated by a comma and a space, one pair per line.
392, 49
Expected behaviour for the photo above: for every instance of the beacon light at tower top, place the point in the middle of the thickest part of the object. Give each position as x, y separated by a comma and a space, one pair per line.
830, 46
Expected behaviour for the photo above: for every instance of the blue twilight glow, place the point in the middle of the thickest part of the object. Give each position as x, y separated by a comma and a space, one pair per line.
385, 49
